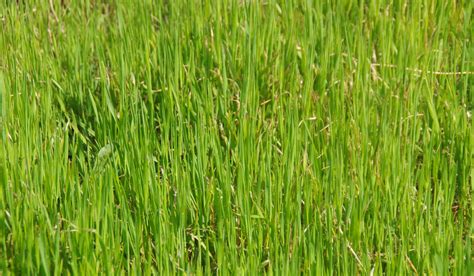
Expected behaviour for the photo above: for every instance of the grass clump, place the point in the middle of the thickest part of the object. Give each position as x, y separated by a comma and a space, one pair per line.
236, 137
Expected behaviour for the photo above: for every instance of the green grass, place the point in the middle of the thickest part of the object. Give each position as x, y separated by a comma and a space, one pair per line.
236, 137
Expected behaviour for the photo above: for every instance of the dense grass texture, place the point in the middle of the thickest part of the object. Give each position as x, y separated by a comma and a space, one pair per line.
236, 137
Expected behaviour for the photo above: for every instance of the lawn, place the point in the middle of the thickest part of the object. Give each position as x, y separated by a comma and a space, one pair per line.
236, 137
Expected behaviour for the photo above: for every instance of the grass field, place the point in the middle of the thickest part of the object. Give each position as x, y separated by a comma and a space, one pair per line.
236, 137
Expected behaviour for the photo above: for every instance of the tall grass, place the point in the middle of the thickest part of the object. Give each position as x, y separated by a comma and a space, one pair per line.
236, 137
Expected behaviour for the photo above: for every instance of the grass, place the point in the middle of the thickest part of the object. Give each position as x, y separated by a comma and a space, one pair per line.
236, 137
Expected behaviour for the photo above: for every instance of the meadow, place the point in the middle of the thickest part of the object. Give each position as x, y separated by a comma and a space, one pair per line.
236, 137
